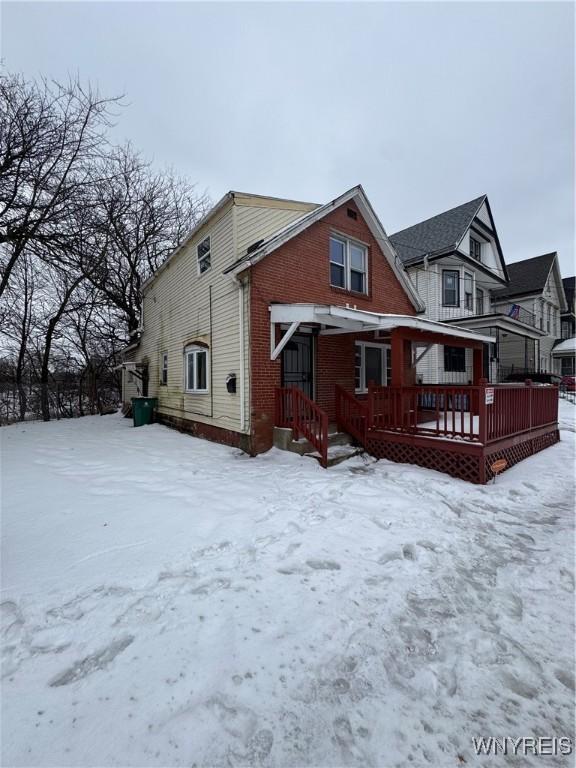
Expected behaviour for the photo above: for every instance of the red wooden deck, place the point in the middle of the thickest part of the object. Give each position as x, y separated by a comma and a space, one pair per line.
459, 430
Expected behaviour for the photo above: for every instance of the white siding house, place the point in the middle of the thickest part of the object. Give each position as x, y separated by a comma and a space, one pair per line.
455, 261
193, 341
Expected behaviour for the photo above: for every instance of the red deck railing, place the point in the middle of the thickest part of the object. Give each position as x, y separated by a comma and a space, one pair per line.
517, 409
436, 411
284, 407
483, 414
294, 409
351, 414
466, 412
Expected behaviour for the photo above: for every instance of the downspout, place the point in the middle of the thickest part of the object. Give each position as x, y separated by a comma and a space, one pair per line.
242, 363
241, 342
211, 353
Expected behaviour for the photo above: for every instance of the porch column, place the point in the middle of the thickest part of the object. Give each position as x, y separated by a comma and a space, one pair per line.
402, 373
477, 365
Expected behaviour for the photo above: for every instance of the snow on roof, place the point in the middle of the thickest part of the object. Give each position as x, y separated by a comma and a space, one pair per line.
566, 347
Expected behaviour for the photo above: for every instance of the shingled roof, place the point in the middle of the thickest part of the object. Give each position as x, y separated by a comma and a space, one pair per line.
440, 233
528, 276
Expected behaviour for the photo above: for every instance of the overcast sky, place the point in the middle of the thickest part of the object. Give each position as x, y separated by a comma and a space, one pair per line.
426, 105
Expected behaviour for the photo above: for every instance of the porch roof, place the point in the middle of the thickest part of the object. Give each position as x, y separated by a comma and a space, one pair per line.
502, 321
566, 348
335, 319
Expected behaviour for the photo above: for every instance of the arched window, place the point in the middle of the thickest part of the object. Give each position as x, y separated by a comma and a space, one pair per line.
196, 378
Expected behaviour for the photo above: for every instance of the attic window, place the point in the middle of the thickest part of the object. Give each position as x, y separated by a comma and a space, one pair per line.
348, 264
351, 213
203, 251
475, 249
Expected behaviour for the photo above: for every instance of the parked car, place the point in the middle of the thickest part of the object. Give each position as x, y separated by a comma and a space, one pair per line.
535, 377
568, 383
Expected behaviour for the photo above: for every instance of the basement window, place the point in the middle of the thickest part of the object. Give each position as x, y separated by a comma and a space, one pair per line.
348, 264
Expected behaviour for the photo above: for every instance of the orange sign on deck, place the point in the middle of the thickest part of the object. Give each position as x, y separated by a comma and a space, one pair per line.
499, 466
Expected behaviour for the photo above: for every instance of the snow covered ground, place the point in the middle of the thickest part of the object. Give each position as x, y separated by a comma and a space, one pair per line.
170, 602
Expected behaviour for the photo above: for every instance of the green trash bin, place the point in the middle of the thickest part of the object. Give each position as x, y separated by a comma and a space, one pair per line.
143, 410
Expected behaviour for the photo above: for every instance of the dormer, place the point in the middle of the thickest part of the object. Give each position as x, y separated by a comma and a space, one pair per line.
480, 241
466, 233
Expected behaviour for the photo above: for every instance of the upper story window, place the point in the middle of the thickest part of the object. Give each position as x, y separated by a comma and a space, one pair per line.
475, 248
548, 325
468, 291
203, 251
196, 370
450, 288
479, 301
164, 369
348, 264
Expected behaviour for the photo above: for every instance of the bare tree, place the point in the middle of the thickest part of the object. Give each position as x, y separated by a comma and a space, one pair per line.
140, 217
50, 137
82, 225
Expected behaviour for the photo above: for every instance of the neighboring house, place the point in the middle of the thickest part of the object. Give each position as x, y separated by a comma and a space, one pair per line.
456, 263
275, 318
568, 317
535, 287
565, 349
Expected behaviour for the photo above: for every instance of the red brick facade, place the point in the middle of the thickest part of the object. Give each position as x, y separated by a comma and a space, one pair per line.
298, 272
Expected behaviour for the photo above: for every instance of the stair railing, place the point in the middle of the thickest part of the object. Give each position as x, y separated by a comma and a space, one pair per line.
351, 415
311, 422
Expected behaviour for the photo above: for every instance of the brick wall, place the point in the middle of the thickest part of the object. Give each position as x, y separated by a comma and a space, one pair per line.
299, 272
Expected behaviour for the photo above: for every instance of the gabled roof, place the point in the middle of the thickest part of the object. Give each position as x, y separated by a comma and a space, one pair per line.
231, 196
443, 232
528, 276
357, 194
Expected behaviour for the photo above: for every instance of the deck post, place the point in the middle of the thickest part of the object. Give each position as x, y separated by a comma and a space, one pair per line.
482, 412
402, 369
477, 365
370, 407
528, 383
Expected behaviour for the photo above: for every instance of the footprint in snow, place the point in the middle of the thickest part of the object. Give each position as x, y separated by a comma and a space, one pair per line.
11, 619
409, 552
212, 586
323, 565
565, 677
92, 663
566, 580
388, 557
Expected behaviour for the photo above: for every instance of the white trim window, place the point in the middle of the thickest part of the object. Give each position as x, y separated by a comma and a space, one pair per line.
480, 302
371, 363
450, 288
203, 251
348, 264
468, 291
164, 369
475, 248
196, 370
